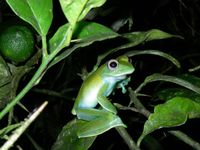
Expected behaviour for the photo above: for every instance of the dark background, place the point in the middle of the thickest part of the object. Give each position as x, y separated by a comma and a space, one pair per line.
180, 17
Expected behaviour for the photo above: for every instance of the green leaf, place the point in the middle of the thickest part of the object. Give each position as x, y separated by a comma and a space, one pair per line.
36, 12
154, 52
99, 33
76, 10
59, 38
136, 38
143, 36
68, 139
190, 78
85, 30
173, 113
5, 83
168, 93
166, 78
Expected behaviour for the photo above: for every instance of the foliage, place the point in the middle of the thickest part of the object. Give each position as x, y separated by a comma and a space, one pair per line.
68, 133
75, 37
174, 112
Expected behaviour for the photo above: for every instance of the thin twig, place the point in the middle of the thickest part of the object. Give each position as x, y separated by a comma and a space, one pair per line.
194, 69
127, 138
19, 131
121, 107
138, 105
182, 136
49, 92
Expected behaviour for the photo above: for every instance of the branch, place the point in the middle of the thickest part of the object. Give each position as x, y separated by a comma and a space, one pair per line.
127, 138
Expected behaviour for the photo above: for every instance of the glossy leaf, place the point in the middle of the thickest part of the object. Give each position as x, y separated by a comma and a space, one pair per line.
166, 78
139, 37
76, 10
136, 38
68, 139
144, 36
174, 112
88, 33
85, 30
36, 12
59, 38
154, 52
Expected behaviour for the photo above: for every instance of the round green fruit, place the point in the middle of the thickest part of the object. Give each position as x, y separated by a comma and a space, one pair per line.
17, 43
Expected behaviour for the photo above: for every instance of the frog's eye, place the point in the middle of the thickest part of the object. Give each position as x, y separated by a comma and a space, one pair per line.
112, 64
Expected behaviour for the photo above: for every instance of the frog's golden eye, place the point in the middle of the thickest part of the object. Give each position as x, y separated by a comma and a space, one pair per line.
112, 64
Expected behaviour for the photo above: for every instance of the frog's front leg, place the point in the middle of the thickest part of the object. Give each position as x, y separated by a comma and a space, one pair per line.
104, 102
99, 121
123, 83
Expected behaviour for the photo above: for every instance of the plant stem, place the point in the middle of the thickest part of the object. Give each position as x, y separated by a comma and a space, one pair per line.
41, 70
127, 138
44, 47
186, 139
31, 83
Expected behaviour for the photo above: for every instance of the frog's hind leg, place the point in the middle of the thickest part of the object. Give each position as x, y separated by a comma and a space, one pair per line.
90, 114
100, 125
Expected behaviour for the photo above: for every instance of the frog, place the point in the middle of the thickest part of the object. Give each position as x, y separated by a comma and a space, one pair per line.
92, 103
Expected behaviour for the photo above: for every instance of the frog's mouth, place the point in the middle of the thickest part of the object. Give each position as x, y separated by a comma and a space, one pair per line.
121, 77
124, 75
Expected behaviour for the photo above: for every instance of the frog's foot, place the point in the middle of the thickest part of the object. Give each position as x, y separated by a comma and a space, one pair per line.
100, 125
123, 83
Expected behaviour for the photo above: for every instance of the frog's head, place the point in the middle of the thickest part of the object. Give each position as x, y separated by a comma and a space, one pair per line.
119, 67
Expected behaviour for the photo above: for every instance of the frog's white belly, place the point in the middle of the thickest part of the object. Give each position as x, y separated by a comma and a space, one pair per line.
90, 99
89, 96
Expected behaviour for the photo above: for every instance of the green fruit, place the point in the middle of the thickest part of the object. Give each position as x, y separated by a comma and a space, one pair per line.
16, 43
